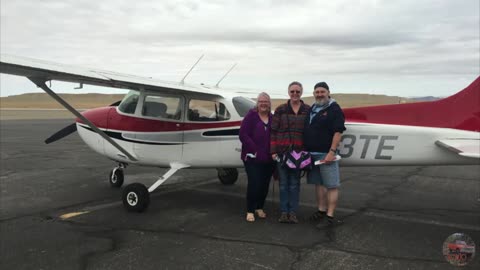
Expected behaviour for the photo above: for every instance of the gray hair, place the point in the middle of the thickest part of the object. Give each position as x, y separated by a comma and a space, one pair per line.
263, 94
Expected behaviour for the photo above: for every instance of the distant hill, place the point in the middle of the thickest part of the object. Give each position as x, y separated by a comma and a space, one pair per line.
427, 98
44, 101
86, 101
355, 100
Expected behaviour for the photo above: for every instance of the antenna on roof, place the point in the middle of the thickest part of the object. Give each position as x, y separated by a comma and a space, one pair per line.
216, 85
183, 80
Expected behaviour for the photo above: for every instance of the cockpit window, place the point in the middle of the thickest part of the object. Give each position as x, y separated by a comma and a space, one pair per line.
129, 102
243, 105
162, 107
207, 110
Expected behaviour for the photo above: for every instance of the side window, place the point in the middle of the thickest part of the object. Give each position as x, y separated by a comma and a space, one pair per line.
162, 107
206, 110
129, 102
243, 105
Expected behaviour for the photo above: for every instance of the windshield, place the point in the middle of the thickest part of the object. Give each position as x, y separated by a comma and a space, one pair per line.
243, 105
129, 102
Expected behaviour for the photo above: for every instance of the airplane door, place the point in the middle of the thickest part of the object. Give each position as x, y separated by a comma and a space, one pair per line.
207, 128
159, 140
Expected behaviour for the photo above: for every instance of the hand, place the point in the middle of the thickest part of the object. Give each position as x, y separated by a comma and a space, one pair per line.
329, 157
274, 156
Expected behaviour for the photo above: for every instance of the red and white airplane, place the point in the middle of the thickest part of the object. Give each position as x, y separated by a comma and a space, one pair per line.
175, 125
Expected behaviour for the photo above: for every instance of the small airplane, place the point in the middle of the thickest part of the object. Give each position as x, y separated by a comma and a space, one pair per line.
176, 125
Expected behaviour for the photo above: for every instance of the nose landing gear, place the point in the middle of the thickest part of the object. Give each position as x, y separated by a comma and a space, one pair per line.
116, 176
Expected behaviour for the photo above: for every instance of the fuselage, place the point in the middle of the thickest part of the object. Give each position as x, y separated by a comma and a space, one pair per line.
202, 131
202, 144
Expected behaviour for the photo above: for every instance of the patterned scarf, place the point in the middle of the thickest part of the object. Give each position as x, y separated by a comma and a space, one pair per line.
317, 108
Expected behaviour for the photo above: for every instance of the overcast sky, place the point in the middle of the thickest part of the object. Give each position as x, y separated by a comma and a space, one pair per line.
404, 48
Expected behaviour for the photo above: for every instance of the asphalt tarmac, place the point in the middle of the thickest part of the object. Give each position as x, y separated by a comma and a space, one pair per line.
57, 211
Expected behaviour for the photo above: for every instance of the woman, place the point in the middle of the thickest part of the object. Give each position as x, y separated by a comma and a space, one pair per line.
287, 134
255, 138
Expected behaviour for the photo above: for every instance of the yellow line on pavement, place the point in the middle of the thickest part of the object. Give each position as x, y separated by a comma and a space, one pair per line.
73, 214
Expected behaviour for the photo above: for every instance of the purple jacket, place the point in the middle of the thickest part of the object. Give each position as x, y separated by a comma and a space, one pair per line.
255, 137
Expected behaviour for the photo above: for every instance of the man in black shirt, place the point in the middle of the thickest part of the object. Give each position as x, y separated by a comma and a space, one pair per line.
322, 133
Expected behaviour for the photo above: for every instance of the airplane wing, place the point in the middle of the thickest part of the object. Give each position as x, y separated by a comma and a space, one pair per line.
463, 147
44, 70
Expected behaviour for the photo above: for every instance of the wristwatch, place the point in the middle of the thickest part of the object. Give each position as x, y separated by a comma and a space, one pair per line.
333, 150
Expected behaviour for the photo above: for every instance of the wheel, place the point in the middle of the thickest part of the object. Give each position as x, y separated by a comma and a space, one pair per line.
136, 197
227, 176
115, 178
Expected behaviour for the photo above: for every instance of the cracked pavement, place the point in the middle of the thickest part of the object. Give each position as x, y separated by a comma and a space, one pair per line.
395, 217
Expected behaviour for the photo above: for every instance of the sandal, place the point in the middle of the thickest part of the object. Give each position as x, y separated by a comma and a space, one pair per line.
260, 213
250, 217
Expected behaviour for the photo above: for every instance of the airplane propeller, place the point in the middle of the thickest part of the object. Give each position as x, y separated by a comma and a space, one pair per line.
64, 132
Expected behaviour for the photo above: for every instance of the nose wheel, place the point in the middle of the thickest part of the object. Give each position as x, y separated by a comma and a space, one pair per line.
116, 176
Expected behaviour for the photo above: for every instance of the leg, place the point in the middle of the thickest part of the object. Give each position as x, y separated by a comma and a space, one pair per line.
266, 175
315, 177
331, 177
283, 184
250, 170
294, 192
321, 195
332, 195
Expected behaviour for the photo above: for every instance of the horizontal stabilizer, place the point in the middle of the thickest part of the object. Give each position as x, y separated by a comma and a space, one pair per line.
463, 147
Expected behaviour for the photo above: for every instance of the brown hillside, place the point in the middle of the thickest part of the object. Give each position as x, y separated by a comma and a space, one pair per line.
44, 101
354, 100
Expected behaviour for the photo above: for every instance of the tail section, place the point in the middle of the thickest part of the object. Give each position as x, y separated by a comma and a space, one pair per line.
459, 111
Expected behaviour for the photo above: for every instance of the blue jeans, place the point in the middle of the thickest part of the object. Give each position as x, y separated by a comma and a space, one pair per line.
289, 189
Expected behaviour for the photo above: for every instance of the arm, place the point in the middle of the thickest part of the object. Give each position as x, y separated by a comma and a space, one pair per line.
273, 133
333, 148
338, 128
245, 133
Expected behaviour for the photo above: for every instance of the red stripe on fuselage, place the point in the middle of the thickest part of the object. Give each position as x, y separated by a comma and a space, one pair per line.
109, 118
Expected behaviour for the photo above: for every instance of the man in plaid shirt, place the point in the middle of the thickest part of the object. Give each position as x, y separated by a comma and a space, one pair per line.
286, 135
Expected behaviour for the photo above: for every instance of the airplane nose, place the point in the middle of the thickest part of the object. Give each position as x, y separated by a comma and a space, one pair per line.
98, 116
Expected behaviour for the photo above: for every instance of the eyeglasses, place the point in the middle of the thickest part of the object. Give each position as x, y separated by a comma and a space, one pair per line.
294, 92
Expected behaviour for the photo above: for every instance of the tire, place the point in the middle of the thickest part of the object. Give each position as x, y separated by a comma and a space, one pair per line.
117, 179
227, 176
135, 197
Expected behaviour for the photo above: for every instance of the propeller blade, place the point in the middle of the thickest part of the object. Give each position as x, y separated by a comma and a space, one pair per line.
69, 129
62, 133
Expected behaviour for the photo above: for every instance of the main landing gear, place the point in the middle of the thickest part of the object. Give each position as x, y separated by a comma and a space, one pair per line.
136, 196
227, 176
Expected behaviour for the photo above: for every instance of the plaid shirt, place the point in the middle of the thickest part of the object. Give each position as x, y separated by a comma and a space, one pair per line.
287, 128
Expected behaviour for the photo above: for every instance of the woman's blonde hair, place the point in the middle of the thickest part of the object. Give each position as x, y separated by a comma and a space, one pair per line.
263, 94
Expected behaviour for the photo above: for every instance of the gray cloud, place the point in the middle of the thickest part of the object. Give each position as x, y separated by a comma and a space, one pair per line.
273, 41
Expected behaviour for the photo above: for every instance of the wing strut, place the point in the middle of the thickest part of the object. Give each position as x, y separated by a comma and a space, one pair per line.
41, 83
